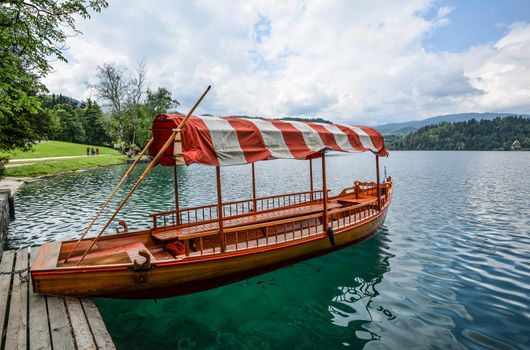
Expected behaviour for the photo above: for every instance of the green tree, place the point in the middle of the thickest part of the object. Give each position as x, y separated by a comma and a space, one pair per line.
156, 102
32, 33
136, 92
54, 125
160, 101
92, 119
144, 124
71, 126
112, 88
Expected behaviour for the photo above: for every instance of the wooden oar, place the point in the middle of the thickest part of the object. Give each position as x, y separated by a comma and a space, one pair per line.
146, 171
131, 168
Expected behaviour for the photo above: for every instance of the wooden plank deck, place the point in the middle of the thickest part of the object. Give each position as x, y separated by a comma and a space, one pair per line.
33, 321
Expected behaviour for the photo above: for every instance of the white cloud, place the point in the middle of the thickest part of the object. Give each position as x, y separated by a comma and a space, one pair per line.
362, 62
441, 16
501, 71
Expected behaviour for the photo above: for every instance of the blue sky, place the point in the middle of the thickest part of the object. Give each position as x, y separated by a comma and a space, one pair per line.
476, 22
364, 62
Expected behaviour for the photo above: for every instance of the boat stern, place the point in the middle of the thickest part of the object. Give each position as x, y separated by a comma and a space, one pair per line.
46, 260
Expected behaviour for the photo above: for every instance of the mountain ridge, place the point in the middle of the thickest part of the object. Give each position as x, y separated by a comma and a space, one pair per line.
404, 128
499, 134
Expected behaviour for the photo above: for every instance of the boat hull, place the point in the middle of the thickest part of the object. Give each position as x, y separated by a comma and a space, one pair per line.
191, 275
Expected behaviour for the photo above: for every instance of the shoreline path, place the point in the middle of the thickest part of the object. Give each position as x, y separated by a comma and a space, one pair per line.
21, 162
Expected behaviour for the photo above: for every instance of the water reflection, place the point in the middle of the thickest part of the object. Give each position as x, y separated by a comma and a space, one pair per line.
356, 303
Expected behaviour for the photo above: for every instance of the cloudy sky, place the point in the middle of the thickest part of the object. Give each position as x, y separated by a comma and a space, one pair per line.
363, 62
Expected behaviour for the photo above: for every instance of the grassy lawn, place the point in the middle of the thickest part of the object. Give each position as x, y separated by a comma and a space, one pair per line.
57, 149
61, 166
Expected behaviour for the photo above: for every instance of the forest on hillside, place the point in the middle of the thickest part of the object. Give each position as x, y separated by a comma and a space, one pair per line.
497, 134
87, 122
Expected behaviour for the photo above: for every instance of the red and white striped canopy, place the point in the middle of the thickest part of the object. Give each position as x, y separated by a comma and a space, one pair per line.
232, 141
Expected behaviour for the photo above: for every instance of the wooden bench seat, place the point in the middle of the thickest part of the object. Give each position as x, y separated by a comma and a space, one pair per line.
351, 200
212, 228
118, 255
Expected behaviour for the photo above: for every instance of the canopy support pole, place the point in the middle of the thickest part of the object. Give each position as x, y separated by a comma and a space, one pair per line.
176, 181
311, 189
220, 208
110, 197
169, 141
325, 190
254, 188
378, 182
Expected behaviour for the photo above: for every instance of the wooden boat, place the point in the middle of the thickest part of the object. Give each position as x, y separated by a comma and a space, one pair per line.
197, 248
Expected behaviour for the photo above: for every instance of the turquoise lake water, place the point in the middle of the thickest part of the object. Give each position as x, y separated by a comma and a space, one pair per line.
450, 269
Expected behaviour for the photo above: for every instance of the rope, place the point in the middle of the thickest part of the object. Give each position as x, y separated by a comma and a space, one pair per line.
19, 272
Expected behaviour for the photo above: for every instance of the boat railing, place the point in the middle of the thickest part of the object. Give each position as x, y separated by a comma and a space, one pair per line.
257, 235
347, 216
204, 213
361, 189
280, 231
367, 189
271, 202
208, 213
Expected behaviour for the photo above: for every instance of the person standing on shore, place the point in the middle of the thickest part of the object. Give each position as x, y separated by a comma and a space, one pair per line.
88, 151
97, 151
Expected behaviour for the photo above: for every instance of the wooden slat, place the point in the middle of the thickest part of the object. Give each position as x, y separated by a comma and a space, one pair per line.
5, 281
47, 259
82, 333
39, 332
68, 323
99, 330
18, 313
60, 328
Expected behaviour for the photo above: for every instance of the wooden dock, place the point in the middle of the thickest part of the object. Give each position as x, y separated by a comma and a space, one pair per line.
33, 321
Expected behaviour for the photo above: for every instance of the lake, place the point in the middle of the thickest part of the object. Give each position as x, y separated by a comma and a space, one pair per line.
450, 269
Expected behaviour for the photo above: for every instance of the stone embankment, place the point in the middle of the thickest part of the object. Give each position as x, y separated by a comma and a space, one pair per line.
8, 188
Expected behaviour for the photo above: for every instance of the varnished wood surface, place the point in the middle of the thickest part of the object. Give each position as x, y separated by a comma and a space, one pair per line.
125, 253
33, 321
49, 256
278, 214
194, 274
293, 239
